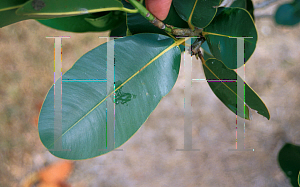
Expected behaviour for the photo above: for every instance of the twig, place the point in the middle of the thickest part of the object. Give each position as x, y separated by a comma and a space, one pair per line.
167, 28
201, 57
196, 47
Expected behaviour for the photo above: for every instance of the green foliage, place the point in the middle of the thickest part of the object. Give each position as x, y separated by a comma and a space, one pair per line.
288, 14
57, 8
198, 13
220, 80
245, 4
228, 24
88, 22
289, 161
7, 11
146, 65
141, 82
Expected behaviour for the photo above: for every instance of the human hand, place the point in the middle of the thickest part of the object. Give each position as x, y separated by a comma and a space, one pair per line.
159, 8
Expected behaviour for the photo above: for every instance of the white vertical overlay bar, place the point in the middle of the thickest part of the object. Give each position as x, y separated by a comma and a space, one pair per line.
240, 122
58, 94
188, 139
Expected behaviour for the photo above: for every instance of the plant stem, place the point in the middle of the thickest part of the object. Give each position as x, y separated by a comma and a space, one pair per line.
146, 14
169, 29
196, 45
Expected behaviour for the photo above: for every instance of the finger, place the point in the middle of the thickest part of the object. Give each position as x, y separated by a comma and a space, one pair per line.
159, 8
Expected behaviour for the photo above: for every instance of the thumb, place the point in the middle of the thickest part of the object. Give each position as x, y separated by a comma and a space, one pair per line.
159, 8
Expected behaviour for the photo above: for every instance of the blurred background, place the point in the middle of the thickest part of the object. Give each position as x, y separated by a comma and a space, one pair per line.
150, 157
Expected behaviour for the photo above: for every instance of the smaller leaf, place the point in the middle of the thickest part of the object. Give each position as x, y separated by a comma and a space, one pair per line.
119, 31
4, 4
230, 22
10, 17
223, 82
7, 11
197, 13
289, 161
108, 21
246, 4
56, 8
299, 178
288, 14
80, 24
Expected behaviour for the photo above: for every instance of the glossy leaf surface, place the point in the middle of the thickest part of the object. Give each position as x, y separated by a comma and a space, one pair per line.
223, 83
87, 22
289, 161
57, 8
146, 69
10, 17
231, 22
246, 4
4, 4
119, 31
107, 22
174, 19
7, 12
198, 13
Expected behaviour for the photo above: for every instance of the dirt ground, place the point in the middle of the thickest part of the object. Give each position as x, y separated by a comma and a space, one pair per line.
150, 157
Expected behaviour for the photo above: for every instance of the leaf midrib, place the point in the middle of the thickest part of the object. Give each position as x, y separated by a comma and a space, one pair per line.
220, 79
176, 43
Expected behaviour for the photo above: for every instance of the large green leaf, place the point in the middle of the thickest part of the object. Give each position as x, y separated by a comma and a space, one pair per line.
220, 80
289, 161
146, 69
288, 14
57, 8
198, 13
231, 22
